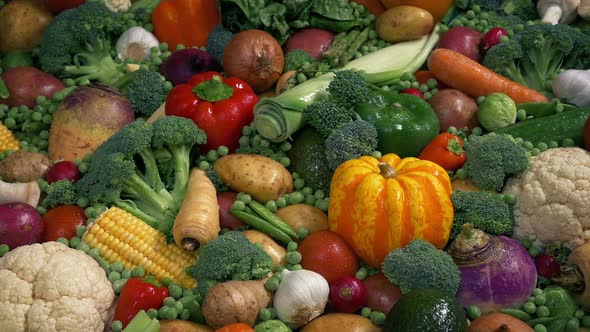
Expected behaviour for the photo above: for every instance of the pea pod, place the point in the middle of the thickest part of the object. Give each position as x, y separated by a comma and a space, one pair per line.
538, 110
517, 313
543, 321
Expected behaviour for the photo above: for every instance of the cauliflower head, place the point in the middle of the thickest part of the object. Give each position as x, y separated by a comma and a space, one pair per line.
118, 5
50, 287
553, 198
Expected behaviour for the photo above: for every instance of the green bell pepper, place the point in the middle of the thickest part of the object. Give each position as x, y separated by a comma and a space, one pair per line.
405, 123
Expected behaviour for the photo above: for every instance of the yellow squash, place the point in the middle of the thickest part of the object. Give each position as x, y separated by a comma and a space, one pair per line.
378, 205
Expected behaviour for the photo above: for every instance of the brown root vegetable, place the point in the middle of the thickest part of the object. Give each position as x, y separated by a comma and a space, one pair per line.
273, 249
255, 57
22, 24
304, 216
86, 118
25, 84
20, 192
282, 82
160, 112
341, 322
579, 258
403, 23
24, 166
235, 302
454, 108
263, 178
464, 185
499, 322
178, 325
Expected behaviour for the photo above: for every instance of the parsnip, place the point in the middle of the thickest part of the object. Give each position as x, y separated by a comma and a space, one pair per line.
20, 192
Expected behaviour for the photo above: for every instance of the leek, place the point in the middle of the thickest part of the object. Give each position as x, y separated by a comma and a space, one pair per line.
277, 118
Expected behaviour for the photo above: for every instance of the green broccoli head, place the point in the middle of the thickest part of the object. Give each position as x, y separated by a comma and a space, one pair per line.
176, 131
60, 193
349, 88
106, 178
420, 265
217, 41
526, 9
492, 158
230, 257
325, 116
146, 92
486, 211
503, 58
296, 59
350, 141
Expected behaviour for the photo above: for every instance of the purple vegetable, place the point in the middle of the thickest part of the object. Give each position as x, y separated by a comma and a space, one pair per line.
496, 271
20, 224
182, 64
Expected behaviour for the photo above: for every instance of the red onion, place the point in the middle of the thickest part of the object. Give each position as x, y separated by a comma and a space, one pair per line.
63, 170
20, 224
496, 271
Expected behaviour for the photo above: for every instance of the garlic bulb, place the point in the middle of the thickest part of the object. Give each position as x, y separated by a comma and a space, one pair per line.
135, 44
301, 297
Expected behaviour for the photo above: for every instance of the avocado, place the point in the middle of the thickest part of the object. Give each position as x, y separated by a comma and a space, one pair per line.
426, 310
308, 158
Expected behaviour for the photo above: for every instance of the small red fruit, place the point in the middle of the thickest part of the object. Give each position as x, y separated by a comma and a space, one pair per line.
492, 38
415, 92
348, 294
547, 266
63, 170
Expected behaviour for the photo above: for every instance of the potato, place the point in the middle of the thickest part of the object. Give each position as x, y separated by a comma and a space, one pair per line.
178, 325
341, 322
402, 23
499, 322
304, 216
273, 249
454, 108
24, 166
25, 84
262, 178
22, 24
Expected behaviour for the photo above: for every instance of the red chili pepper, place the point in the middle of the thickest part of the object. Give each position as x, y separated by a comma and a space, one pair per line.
446, 150
139, 294
219, 106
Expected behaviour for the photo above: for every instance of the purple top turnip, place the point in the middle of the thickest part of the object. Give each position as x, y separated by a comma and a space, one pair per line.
20, 224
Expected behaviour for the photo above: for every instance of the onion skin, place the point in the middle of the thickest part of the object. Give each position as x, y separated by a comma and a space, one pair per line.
499, 274
182, 64
20, 225
255, 57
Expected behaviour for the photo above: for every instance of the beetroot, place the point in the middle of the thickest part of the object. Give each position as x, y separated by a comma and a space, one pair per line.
492, 38
348, 294
463, 40
63, 170
182, 64
547, 266
313, 41
226, 219
20, 224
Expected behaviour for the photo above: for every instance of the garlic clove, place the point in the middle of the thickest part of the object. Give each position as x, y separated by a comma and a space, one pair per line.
135, 44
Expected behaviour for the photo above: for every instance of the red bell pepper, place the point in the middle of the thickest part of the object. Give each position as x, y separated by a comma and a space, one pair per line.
445, 150
219, 106
139, 294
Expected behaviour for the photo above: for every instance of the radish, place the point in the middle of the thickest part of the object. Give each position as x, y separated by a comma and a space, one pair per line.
413, 91
63, 170
20, 224
348, 294
492, 38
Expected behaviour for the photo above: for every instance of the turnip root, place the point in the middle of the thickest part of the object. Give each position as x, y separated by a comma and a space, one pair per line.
304, 216
235, 302
24, 166
573, 86
20, 192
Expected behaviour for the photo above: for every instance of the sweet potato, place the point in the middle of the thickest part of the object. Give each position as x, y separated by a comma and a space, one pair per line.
24, 166
235, 302
269, 246
178, 325
304, 216
341, 322
22, 23
263, 178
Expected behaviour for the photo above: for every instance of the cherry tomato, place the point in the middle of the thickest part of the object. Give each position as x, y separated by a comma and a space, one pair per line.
62, 221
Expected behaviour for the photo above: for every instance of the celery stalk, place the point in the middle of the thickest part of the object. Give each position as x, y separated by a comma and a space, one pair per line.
277, 118
142, 323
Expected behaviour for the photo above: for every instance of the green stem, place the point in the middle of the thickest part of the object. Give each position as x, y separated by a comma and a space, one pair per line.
455, 147
4, 93
213, 90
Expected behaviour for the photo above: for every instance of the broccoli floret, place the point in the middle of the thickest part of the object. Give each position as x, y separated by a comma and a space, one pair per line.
146, 92
488, 5
350, 141
325, 116
230, 257
484, 210
526, 9
217, 41
296, 59
60, 193
420, 265
492, 158
219, 185
349, 88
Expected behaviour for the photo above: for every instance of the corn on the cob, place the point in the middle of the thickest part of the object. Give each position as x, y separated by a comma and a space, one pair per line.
120, 236
7, 139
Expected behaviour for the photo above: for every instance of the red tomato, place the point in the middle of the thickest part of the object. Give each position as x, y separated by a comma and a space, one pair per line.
62, 221
58, 6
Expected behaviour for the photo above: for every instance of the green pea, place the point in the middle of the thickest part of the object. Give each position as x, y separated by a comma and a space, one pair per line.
114, 276
271, 206
319, 194
291, 246
573, 324
307, 191
166, 281
527, 243
535, 151
521, 114
126, 274
222, 150
378, 318
543, 311
4, 249
296, 197
285, 161
552, 144
178, 306
303, 233
298, 183
323, 204
265, 314
541, 300
540, 328
293, 257
116, 326
461, 173
175, 291
185, 314
272, 284
212, 156
473, 311
361, 273
542, 146
366, 312
169, 301
118, 285
41, 209
296, 267
138, 272
238, 205
152, 313
245, 198
567, 142
529, 308
579, 314
281, 202
117, 267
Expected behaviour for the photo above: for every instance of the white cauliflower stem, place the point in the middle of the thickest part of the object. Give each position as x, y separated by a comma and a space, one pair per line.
50, 287
553, 198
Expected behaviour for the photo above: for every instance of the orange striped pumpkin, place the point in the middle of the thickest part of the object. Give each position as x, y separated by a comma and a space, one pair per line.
378, 205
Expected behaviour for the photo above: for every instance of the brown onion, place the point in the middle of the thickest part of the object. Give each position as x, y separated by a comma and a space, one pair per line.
255, 57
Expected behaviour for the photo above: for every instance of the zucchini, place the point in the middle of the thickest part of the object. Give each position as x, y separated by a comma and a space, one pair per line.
556, 127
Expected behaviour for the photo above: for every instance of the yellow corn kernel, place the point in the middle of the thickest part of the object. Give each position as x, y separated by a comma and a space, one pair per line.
120, 236
7, 140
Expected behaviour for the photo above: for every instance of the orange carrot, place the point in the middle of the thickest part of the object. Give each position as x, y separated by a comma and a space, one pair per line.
472, 78
197, 222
